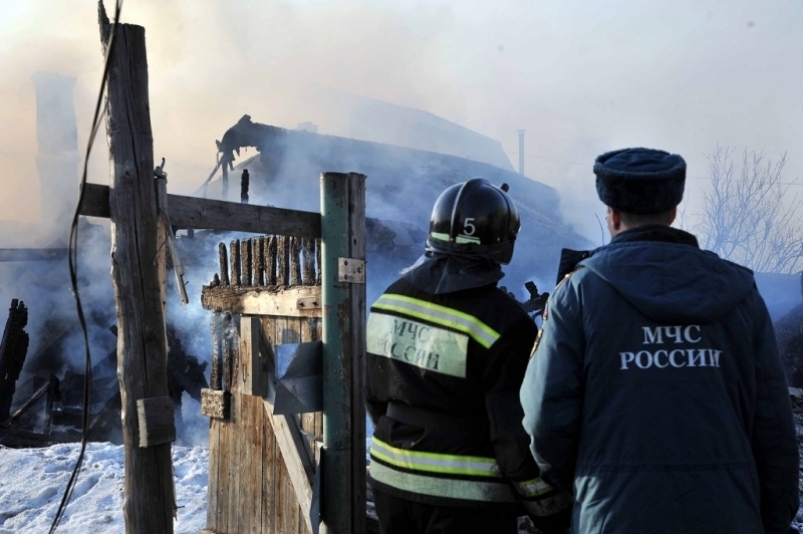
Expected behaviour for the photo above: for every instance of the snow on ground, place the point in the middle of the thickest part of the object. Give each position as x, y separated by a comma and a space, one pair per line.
32, 482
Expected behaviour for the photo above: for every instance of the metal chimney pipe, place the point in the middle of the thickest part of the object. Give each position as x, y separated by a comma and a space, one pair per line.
521, 152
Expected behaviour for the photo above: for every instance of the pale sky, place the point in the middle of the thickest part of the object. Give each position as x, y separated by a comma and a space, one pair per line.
581, 77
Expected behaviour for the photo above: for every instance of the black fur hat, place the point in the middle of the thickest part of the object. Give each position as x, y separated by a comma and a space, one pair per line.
640, 180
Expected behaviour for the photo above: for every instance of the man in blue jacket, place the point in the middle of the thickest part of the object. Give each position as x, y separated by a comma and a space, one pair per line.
655, 392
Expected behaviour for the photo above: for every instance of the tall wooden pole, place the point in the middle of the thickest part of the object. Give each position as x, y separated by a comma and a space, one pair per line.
141, 341
343, 294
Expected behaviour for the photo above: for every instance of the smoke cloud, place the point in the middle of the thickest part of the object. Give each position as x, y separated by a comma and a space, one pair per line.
683, 76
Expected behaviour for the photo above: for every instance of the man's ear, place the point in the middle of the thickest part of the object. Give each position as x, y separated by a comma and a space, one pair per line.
614, 220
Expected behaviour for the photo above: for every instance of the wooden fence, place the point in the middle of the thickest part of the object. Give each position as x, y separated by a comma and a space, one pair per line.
269, 358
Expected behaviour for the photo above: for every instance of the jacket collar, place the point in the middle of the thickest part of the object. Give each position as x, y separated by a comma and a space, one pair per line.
656, 233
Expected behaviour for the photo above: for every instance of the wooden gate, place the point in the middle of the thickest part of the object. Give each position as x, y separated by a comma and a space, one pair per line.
287, 367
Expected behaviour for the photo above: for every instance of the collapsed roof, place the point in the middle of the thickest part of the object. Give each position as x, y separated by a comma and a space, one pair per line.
402, 185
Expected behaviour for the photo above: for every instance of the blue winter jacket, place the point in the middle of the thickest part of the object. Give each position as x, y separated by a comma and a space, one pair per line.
656, 394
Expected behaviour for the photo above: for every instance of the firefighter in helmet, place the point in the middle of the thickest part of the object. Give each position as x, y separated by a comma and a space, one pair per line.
447, 351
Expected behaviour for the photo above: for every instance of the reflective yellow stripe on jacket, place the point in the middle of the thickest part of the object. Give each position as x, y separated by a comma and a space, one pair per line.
450, 464
426, 464
448, 317
471, 490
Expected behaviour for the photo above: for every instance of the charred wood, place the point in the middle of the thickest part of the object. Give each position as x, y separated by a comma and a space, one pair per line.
224, 264
234, 257
245, 259
258, 259
13, 350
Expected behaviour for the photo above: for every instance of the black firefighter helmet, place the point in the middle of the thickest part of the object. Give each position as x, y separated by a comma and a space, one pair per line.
474, 218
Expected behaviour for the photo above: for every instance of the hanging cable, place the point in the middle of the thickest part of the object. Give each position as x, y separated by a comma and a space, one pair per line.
72, 257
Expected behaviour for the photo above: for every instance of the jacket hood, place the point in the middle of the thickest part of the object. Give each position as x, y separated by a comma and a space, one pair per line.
670, 280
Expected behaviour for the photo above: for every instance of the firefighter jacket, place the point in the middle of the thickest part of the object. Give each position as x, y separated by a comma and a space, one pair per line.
443, 375
657, 394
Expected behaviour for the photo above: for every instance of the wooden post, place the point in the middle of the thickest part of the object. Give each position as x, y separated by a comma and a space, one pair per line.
258, 259
308, 252
141, 340
234, 258
343, 456
224, 264
282, 271
295, 261
245, 261
270, 261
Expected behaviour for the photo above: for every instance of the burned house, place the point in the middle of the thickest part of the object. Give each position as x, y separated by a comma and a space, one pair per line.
403, 182
401, 187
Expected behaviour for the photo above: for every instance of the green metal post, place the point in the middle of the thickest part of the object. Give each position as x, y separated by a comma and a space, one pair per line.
343, 461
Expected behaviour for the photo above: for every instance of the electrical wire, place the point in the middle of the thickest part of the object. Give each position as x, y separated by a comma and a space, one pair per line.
72, 257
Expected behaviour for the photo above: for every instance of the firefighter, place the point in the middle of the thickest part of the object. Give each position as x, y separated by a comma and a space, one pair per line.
447, 351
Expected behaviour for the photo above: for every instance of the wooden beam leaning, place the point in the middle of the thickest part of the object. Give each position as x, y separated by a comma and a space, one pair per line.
205, 214
300, 301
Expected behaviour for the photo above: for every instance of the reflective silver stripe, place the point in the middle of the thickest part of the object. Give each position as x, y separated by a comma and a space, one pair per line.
421, 309
451, 464
532, 488
442, 487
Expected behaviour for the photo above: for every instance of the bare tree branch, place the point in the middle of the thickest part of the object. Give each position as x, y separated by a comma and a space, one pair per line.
749, 216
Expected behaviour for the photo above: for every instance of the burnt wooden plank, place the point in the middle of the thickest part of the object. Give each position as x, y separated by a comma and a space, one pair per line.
300, 301
295, 261
258, 255
308, 255
234, 261
13, 350
271, 260
200, 214
224, 264
245, 259
282, 271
